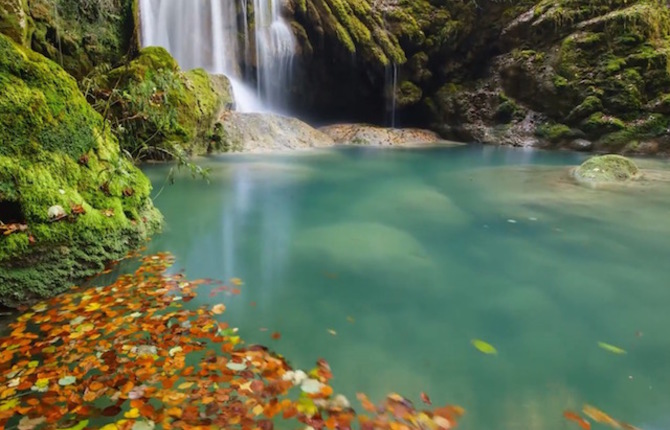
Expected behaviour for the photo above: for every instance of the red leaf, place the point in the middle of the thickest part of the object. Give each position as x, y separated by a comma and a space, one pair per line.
425, 398
276, 335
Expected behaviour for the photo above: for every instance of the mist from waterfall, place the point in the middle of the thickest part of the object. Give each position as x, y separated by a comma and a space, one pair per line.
216, 35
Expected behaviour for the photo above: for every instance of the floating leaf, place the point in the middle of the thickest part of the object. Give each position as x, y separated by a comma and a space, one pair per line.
600, 417
67, 380
28, 423
425, 398
332, 332
237, 367
133, 413
219, 309
276, 335
484, 347
311, 386
236, 281
611, 348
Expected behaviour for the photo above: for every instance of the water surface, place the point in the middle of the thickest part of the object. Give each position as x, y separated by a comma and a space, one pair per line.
408, 255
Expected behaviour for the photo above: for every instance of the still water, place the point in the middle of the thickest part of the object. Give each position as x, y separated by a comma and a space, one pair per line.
389, 262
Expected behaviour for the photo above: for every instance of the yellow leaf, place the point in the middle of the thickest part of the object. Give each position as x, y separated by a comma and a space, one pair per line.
93, 307
484, 347
236, 281
257, 410
109, 427
8, 405
185, 385
611, 348
133, 413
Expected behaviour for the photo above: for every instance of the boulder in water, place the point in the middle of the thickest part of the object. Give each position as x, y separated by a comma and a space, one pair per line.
363, 134
607, 169
259, 132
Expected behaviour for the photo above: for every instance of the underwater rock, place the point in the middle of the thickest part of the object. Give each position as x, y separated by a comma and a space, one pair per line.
368, 249
409, 204
607, 169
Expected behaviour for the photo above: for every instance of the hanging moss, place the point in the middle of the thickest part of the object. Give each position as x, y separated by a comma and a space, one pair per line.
56, 150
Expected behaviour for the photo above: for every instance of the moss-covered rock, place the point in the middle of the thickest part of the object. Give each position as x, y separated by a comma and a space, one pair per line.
156, 109
84, 35
15, 21
595, 66
55, 150
607, 169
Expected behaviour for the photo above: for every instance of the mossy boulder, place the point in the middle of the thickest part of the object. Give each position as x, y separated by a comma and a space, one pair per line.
158, 110
606, 169
55, 150
15, 21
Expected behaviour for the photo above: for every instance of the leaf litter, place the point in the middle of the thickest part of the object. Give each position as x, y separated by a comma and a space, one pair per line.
129, 356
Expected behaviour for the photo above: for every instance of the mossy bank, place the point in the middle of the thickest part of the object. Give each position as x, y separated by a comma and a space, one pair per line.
79, 202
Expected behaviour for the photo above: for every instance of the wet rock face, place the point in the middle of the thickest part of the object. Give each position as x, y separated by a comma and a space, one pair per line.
364, 134
84, 35
259, 132
594, 70
15, 22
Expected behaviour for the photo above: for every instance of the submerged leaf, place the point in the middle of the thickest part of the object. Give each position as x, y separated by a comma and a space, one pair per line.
573, 416
484, 347
611, 348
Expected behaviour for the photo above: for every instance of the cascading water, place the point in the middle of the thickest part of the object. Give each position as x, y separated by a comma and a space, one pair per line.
391, 92
205, 33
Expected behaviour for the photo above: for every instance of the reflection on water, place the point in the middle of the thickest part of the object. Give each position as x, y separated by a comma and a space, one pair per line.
407, 255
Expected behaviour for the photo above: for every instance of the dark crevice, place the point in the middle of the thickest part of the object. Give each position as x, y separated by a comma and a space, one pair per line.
11, 212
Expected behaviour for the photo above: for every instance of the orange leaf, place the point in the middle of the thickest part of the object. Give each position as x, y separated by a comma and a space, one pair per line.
276, 335
573, 416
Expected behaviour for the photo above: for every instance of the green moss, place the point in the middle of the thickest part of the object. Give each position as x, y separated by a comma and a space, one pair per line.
606, 169
56, 150
643, 129
155, 106
599, 123
15, 21
83, 35
408, 94
589, 106
554, 132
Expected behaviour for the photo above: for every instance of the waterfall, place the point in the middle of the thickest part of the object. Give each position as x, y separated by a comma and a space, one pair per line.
391, 92
206, 34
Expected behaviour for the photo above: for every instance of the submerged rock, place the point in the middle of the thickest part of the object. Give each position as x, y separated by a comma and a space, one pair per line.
258, 132
364, 134
58, 157
607, 169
